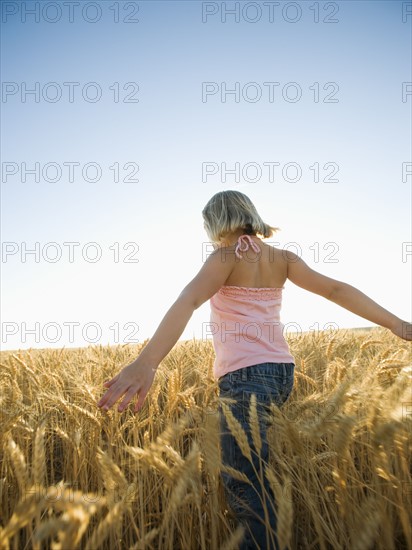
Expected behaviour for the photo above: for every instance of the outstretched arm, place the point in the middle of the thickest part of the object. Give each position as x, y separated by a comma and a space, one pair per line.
354, 300
137, 377
346, 296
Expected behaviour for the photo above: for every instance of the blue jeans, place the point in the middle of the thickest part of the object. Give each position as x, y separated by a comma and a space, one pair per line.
270, 382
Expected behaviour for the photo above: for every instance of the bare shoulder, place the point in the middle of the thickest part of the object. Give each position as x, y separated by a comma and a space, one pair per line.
276, 253
224, 254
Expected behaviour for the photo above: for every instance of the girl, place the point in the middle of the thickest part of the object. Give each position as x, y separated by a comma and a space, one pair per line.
243, 278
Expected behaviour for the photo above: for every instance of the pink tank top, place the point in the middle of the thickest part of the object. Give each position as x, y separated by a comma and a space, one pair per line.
245, 324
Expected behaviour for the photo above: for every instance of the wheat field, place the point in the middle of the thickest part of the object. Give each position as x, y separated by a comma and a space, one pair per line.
73, 476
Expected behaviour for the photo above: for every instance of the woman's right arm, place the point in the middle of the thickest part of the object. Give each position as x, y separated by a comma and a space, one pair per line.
345, 295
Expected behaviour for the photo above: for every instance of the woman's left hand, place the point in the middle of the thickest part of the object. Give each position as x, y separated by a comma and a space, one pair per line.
134, 378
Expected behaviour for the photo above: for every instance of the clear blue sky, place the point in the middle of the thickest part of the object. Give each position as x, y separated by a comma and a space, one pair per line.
174, 138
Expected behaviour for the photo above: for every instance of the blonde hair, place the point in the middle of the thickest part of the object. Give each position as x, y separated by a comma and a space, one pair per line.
228, 211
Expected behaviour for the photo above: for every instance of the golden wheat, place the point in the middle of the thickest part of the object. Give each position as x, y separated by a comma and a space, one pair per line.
74, 477
254, 423
237, 431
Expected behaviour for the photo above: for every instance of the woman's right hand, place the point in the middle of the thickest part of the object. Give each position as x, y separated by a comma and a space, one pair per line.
132, 379
403, 329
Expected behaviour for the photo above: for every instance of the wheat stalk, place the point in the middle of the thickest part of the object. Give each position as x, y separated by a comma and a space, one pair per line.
368, 343
254, 424
284, 510
147, 539
103, 529
39, 460
19, 464
237, 431
235, 538
367, 527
